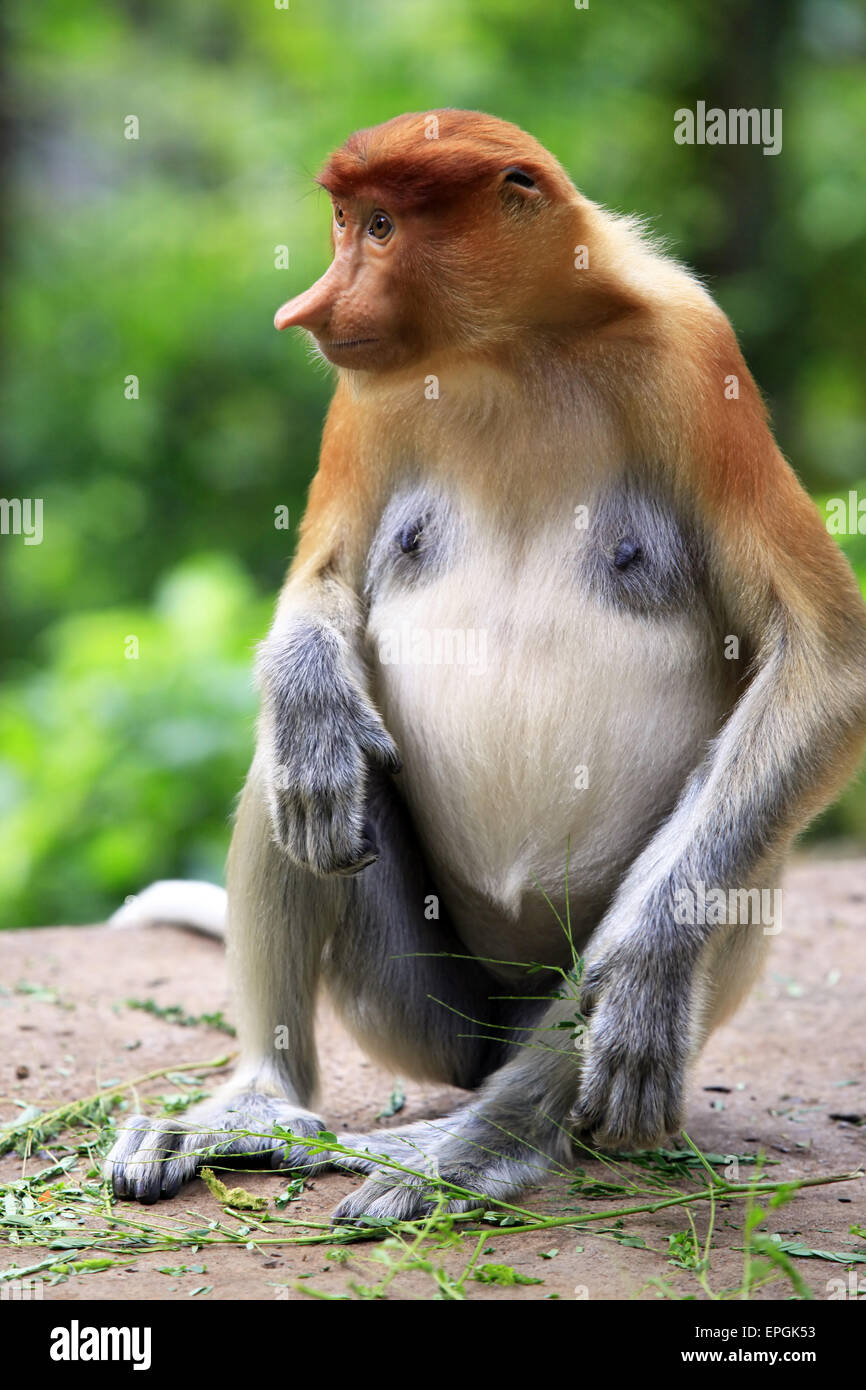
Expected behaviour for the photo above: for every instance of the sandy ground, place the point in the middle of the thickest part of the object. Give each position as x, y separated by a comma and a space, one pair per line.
773, 1079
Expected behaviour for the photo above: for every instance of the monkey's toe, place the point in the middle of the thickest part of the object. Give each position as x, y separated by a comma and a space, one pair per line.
447, 1178
388, 1196
154, 1158
142, 1164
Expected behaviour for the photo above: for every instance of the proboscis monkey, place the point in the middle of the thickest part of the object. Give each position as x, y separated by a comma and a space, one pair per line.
564, 645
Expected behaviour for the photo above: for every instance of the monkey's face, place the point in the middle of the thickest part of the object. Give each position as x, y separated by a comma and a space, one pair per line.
405, 283
363, 312
464, 241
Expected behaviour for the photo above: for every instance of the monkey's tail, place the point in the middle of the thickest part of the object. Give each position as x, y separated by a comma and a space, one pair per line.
199, 907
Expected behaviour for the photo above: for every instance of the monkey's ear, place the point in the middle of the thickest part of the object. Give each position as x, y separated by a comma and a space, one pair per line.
518, 176
519, 185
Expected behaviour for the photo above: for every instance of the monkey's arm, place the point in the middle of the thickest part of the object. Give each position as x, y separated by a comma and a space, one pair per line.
318, 730
789, 742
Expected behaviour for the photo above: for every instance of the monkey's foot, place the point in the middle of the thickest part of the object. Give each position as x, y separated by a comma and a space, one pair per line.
458, 1163
153, 1158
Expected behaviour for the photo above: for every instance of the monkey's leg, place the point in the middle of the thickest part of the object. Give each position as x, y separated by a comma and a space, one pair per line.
398, 974
518, 1131
514, 1135
278, 921
383, 960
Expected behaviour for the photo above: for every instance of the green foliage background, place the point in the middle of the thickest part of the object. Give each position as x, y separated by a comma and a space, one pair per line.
156, 257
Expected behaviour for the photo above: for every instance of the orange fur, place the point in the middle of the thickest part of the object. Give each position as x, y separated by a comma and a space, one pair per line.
483, 289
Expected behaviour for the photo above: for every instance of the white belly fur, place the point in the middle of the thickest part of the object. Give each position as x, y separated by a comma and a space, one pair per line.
490, 755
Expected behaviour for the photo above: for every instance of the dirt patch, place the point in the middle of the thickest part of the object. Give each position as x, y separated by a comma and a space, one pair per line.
772, 1080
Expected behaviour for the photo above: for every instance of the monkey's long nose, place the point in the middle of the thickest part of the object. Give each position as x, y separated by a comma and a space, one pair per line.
312, 309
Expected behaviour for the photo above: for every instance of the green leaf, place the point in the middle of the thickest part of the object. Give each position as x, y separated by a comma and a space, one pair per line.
236, 1197
502, 1274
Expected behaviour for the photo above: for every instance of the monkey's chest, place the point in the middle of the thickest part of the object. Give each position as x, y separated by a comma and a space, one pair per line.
548, 698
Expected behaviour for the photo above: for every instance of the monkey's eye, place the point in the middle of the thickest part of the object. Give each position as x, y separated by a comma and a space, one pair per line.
339, 215
380, 227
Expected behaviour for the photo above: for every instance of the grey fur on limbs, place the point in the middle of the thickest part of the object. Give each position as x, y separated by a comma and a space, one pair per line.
403, 983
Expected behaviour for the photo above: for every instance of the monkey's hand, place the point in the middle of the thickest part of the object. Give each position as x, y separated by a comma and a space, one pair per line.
638, 1045
320, 734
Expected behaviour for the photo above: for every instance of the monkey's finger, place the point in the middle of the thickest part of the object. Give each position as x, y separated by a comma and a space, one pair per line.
337, 840
590, 1110
291, 829
623, 1121
593, 981
673, 1117
588, 998
368, 853
369, 844
636, 1112
378, 744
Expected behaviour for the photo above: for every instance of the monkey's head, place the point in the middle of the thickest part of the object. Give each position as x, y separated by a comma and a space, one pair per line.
450, 229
